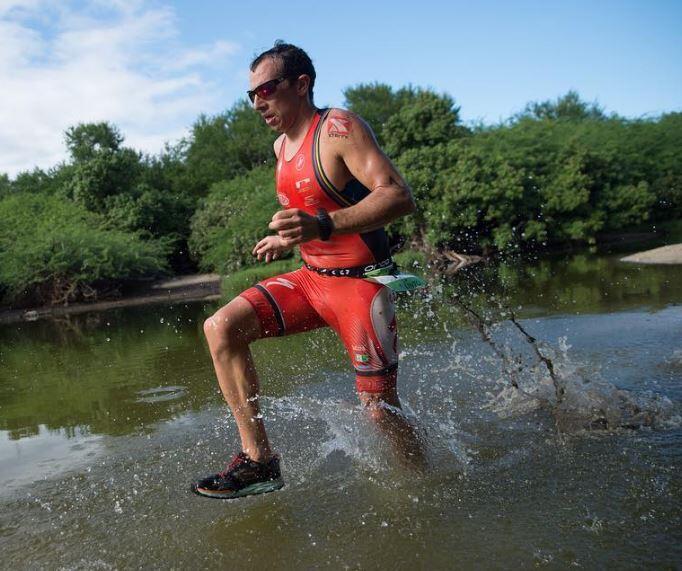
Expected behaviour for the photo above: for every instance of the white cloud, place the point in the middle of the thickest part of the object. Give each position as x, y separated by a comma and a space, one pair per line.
116, 61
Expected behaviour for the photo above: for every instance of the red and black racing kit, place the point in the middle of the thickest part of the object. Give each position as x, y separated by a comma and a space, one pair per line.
319, 294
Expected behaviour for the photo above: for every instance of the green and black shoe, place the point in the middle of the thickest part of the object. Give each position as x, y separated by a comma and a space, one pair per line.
243, 477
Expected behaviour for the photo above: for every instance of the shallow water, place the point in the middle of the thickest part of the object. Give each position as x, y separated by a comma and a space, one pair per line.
106, 418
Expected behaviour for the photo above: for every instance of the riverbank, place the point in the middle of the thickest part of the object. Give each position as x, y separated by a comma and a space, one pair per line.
195, 287
671, 254
210, 287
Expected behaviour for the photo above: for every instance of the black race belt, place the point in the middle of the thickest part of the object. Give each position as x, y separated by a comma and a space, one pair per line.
354, 272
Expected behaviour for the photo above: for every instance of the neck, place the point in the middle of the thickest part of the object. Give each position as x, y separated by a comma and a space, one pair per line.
300, 126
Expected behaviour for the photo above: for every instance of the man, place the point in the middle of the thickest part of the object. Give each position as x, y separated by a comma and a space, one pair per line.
337, 190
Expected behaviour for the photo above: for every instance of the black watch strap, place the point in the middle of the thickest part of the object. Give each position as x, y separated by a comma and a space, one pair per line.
325, 224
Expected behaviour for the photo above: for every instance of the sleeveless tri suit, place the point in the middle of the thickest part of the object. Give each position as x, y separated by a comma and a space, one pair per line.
319, 294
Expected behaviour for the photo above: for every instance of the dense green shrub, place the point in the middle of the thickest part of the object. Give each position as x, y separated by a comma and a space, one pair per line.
232, 219
428, 120
54, 251
224, 146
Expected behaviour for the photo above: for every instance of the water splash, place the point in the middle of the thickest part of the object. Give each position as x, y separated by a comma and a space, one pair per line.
577, 398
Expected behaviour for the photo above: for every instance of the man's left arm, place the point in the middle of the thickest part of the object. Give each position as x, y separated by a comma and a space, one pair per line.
389, 196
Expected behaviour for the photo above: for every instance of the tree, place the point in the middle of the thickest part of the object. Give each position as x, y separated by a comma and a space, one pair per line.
231, 219
376, 103
55, 251
86, 140
226, 145
429, 120
5, 185
568, 107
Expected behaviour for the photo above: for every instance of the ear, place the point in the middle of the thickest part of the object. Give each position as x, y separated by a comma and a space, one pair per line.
302, 84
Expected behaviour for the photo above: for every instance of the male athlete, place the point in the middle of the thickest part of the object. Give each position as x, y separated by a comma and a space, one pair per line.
337, 190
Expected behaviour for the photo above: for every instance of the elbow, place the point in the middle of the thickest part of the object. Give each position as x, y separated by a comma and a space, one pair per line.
409, 205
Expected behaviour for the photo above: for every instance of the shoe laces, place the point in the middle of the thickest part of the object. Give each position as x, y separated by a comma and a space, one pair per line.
238, 460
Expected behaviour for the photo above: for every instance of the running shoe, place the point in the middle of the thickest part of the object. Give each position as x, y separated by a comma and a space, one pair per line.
243, 477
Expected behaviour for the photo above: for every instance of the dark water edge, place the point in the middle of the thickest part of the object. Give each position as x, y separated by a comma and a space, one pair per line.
106, 417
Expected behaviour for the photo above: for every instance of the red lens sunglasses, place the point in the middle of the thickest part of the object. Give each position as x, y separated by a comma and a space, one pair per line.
265, 90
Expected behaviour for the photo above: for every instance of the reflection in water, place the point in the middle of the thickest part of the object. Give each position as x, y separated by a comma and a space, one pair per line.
47, 455
119, 412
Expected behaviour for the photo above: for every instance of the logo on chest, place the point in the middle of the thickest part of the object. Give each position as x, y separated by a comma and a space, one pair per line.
303, 185
283, 199
300, 161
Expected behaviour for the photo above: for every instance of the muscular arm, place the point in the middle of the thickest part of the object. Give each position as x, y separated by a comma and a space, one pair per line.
390, 197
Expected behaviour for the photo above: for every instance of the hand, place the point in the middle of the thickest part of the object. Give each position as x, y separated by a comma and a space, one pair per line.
295, 226
270, 248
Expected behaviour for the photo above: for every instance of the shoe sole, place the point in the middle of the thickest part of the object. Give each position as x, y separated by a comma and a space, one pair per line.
252, 490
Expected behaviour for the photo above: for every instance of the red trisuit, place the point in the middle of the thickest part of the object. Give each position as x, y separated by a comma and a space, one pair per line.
360, 311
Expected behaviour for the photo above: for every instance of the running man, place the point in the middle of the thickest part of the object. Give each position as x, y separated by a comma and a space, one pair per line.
337, 190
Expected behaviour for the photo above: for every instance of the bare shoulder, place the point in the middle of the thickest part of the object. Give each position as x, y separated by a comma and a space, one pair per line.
277, 145
342, 126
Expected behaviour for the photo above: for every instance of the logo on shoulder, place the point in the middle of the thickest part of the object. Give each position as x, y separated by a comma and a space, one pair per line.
338, 126
300, 161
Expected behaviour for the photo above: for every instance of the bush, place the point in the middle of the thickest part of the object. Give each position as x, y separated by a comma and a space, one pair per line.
54, 251
232, 219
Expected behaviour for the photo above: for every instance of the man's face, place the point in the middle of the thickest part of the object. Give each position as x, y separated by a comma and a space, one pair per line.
279, 109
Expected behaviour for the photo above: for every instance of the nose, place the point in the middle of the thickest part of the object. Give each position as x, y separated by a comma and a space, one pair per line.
258, 103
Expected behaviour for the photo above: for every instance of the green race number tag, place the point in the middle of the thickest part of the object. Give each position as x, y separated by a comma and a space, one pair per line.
396, 282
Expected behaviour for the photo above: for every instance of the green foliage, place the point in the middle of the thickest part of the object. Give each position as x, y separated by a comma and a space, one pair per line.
54, 251
87, 140
478, 199
430, 119
5, 185
40, 181
225, 146
106, 173
376, 103
154, 212
232, 219
567, 107
562, 171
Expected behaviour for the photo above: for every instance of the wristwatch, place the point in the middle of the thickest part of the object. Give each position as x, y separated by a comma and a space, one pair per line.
325, 224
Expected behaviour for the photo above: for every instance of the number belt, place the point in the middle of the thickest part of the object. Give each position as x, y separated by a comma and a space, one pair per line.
355, 271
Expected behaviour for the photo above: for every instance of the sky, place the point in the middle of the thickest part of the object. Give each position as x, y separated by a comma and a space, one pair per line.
151, 66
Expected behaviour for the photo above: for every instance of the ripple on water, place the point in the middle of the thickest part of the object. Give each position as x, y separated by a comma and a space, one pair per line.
161, 394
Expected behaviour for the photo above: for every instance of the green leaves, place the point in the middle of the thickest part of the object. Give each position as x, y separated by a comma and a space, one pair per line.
52, 250
226, 145
232, 218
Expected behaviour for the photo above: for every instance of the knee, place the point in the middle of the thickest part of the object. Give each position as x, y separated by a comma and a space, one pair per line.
223, 331
380, 404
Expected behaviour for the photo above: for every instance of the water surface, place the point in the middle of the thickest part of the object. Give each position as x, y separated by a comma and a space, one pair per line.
106, 418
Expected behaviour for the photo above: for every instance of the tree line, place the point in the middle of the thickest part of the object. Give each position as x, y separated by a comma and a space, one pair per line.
560, 172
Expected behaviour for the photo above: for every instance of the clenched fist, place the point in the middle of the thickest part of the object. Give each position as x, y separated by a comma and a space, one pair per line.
295, 226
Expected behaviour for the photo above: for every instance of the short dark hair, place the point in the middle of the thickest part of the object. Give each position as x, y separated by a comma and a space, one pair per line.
294, 60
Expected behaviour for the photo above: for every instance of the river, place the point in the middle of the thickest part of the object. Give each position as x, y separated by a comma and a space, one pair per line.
106, 418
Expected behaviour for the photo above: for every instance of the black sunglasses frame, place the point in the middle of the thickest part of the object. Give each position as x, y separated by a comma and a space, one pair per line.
275, 82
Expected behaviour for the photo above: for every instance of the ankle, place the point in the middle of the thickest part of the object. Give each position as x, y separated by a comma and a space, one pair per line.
260, 456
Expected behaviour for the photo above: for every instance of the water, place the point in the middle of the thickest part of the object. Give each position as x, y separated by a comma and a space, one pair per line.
106, 418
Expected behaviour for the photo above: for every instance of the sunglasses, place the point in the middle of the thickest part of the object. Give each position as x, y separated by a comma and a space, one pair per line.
265, 90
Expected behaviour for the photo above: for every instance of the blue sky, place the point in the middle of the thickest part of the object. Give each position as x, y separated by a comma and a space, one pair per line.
151, 66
